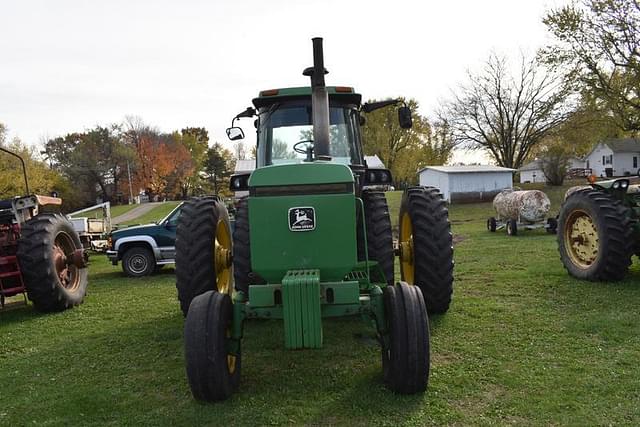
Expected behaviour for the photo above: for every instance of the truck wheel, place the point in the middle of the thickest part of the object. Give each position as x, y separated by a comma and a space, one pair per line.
138, 261
426, 246
213, 372
491, 224
379, 233
203, 250
512, 227
52, 266
405, 360
595, 236
241, 247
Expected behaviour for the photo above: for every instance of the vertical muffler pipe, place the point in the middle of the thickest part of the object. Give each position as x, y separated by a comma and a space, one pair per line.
319, 101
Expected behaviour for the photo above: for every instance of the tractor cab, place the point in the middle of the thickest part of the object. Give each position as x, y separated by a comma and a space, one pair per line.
285, 131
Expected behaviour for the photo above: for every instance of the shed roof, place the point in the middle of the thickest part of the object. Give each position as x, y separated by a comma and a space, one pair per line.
468, 169
245, 165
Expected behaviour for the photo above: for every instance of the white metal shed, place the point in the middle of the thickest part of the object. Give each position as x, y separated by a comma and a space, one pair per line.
467, 183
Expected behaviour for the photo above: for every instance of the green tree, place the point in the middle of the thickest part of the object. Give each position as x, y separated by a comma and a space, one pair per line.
598, 43
42, 179
196, 141
219, 166
404, 151
95, 161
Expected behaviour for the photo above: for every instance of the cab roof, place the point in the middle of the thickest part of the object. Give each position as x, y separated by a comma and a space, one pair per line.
342, 94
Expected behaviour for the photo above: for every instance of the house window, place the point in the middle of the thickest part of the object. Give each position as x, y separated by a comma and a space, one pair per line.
635, 162
588, 164
604, 160
607, 160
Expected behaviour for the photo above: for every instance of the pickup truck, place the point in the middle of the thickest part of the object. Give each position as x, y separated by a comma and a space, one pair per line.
144, 249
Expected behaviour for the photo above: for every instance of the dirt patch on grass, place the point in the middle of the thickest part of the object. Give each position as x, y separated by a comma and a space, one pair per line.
457, 238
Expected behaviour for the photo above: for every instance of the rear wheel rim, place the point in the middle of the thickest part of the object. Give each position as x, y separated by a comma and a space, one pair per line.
222, 254
407, 266
581, 240
67, 273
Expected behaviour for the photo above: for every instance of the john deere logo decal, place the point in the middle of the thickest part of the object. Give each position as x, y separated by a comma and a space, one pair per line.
302, 219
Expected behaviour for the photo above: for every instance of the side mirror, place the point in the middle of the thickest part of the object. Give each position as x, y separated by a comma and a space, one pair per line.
235, 133
404, 117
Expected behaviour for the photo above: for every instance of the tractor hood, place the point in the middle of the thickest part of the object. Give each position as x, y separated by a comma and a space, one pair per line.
302, 216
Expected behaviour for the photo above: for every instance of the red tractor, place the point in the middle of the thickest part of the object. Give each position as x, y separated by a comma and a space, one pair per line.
40, 253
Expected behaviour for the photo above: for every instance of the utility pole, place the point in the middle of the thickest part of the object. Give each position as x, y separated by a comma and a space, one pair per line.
130, 188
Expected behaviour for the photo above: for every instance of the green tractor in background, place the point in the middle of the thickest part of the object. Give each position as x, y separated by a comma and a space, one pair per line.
599, 229
312, 240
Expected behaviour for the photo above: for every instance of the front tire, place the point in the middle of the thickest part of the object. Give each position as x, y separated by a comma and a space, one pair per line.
405, 361
426, 246
138, 262
595, 236
213, 372
46, 250
203, 250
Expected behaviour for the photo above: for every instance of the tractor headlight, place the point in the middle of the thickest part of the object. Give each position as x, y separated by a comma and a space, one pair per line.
624, 184
616, 185
378, 177
239, 182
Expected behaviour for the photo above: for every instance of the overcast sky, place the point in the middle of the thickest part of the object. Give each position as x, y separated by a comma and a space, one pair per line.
68, 65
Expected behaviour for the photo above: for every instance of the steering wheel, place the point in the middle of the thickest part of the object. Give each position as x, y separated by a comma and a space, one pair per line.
300, 150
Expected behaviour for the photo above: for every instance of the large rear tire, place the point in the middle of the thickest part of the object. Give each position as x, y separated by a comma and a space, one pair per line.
405, 361
595, 236
46, 253
379, 233
203, 250
213, 372
426, 246
242, 247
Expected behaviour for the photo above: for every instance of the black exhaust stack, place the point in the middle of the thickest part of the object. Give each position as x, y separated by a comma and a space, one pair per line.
319, 101
24, 168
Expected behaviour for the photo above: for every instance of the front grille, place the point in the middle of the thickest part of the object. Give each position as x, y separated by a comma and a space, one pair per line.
303, 189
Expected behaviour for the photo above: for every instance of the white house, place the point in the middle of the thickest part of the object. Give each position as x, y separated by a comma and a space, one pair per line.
615, 157
532, 171
467, 183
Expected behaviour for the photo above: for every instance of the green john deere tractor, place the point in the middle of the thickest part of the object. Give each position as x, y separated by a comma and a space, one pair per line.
599, 229
312, 240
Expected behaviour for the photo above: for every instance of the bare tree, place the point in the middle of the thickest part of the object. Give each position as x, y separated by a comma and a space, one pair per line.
504, 114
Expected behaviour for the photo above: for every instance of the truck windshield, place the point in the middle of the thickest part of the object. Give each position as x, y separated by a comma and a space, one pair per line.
283, 126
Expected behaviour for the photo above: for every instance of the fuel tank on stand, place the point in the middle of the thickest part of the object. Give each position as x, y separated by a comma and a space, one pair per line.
522, 205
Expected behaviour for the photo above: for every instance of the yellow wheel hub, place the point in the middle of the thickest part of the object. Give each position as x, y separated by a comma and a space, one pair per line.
231, 359
223, 258
581, 239
407, 266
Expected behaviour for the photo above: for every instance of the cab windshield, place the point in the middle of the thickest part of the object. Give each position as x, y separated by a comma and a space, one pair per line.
283, 126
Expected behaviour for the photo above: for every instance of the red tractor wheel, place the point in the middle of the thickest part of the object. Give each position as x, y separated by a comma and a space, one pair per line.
52, 262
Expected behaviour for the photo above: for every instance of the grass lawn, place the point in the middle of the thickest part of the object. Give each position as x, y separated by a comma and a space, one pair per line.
523, 343
155, 214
